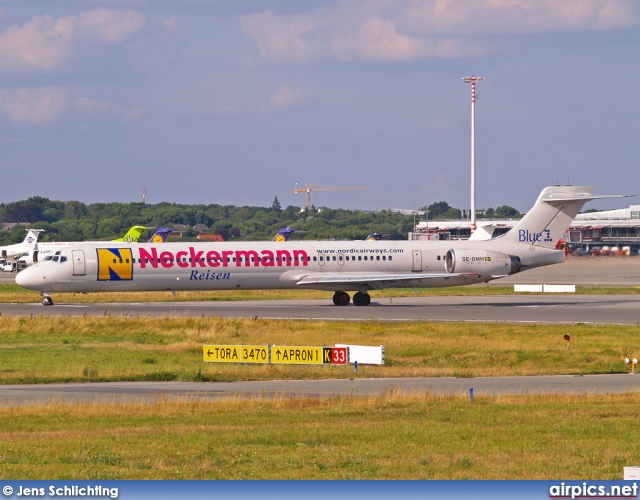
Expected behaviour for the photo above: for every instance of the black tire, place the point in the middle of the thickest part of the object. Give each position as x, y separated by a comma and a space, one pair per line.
47, 301
361, 299
341, 299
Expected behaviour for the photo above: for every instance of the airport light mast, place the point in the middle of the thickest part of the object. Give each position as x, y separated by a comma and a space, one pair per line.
472, 80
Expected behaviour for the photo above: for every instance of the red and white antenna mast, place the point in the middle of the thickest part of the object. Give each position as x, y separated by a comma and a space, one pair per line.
143, 192
472, 80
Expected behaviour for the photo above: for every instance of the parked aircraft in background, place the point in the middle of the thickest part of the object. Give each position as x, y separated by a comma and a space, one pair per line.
41, 251
283, 234
27, 245
132, 234
337, 266
160, 236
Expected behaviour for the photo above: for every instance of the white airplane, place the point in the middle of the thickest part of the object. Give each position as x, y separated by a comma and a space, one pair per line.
27, 245
338, 266
42, 251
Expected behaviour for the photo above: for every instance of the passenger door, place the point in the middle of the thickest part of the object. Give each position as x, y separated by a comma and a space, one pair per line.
79, 268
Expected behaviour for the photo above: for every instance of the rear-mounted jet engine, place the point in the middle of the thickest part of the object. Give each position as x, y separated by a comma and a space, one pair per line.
482, 262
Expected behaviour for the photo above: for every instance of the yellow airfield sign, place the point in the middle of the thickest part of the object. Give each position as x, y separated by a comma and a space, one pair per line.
236, 353
255, 353
288, 355
297, 355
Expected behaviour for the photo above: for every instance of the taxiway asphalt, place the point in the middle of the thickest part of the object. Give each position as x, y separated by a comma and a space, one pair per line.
536, 308
14, 395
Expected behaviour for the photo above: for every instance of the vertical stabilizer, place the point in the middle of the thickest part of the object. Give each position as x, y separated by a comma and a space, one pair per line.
283, 234
547, 221
32, 236
132, 234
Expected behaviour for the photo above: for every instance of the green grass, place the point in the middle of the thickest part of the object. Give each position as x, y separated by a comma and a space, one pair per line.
115, 348
395, 436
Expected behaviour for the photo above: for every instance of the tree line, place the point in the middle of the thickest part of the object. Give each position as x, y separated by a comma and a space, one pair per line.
77, 221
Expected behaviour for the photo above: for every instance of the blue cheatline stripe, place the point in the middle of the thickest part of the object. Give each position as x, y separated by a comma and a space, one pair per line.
311, 490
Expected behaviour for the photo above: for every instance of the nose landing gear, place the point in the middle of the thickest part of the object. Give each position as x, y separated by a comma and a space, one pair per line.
47, 300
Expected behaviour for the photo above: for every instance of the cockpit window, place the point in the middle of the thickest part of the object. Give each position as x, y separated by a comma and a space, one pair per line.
63, 259
55, 259
48, 257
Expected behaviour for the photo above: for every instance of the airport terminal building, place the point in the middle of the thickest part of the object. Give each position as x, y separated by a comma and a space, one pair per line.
593, 232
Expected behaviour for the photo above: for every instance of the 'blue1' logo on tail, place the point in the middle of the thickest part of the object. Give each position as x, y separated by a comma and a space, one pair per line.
524, 235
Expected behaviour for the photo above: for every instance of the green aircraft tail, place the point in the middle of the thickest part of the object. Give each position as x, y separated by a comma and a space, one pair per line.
132, 234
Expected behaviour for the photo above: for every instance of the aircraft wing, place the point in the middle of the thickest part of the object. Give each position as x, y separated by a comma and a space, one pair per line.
379, 281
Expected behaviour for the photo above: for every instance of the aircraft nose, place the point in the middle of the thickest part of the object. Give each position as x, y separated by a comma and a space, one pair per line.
23, 279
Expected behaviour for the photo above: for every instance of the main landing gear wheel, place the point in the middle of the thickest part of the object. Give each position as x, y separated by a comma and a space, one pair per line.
341, 299
47, 301
361, 299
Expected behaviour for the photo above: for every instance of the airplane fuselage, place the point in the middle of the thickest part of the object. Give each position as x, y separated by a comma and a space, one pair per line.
267, 265
338, 266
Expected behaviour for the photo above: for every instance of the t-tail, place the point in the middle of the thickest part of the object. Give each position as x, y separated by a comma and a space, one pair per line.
132, 234
32, 235
160, 236
283, 234
546, 223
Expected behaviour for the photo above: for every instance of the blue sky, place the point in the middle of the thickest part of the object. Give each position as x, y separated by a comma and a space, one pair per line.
234, 102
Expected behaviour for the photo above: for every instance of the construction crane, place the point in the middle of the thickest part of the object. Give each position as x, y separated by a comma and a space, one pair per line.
308, 188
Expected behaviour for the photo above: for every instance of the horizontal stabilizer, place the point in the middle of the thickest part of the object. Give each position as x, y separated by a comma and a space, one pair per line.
583, 197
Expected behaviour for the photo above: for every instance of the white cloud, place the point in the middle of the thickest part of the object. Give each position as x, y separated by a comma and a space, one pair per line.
90, 105
480, 17
45, 44
111, 26
171, 23
228, 109
132, 114
39, 106
288, 97
400, 30
439, 185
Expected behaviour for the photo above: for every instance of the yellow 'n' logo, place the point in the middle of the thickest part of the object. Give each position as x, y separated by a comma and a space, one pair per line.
115, 264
